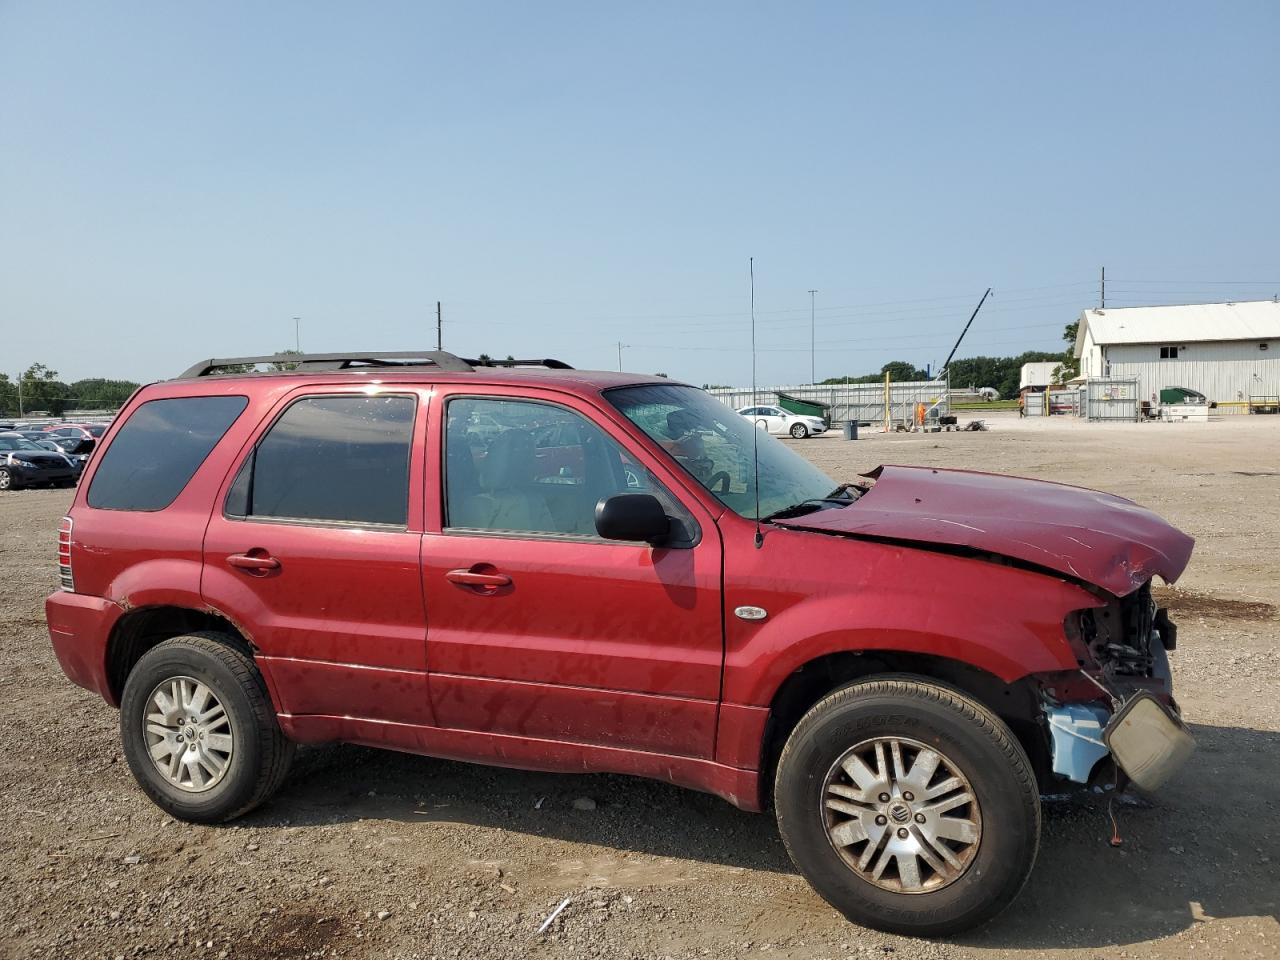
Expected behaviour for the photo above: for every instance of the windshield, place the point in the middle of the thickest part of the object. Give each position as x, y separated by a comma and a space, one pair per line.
714, 445
16, 443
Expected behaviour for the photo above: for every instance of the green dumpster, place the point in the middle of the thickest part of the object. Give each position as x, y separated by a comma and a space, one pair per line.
1170, 395
805, 408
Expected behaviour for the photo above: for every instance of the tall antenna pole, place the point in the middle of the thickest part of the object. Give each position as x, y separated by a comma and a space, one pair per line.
439, 327
755, 429
1103, 302
813, 365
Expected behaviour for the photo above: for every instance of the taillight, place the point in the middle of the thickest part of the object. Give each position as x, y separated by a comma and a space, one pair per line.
64, 555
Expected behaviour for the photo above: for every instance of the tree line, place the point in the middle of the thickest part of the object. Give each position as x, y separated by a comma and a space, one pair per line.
1003, 373
38, 390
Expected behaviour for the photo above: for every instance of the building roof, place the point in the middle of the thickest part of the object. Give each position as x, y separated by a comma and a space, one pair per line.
1188, 323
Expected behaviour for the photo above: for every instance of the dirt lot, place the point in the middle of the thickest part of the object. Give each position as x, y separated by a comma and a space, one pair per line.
376, 855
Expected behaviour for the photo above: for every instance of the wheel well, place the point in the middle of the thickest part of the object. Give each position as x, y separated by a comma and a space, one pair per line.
1015, 703
139, 630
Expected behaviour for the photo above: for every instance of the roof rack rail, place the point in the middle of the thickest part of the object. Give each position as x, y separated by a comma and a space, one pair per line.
336, 362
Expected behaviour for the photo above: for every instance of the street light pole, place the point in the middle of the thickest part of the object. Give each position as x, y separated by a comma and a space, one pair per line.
813, 363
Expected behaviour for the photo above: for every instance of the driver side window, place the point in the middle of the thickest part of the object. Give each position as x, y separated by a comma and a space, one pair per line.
520, 466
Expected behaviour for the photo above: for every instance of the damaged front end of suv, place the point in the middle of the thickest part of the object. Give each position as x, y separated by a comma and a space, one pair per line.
1113, 719
1117, 721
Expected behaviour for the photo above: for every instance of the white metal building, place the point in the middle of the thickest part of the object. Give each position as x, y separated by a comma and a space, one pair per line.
1227, 351
1037, 375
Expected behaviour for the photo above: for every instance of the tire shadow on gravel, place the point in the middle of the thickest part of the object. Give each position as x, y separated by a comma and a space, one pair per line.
1206, 847
1203, 848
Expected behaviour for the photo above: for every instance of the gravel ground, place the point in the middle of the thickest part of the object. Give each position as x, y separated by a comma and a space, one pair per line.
366, 854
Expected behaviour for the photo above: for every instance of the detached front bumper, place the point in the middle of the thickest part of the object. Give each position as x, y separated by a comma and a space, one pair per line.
1145, 739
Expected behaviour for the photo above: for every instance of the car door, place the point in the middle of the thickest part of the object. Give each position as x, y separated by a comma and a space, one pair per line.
775, 419
538, 627
313, 548
760, 416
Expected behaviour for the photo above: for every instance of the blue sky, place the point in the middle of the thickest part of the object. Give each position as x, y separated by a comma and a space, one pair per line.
181, 180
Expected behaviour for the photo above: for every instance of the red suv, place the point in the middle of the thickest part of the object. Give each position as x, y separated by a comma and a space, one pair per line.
532, 566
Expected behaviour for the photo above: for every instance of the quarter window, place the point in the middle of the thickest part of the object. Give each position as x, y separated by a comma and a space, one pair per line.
334, 459
158, 450
525, 467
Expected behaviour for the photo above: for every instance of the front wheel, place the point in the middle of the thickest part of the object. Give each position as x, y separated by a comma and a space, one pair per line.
6, 479
908, 806
799, 431
199, 731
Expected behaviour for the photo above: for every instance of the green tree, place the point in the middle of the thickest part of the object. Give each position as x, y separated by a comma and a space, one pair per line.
97, 393
41, 390
898, 371
1070, 366
8, 396
285, 364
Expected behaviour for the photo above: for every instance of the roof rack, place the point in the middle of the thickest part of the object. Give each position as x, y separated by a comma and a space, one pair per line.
359, 362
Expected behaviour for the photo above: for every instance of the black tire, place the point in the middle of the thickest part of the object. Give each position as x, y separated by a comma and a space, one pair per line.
975, 741
6, 479
261, 755
799, 431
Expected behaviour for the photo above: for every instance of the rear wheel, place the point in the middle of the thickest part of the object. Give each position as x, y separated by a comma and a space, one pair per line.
799, 431
909, 807
199, 731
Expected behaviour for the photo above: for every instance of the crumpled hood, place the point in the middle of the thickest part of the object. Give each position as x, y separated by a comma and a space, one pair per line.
1105, 540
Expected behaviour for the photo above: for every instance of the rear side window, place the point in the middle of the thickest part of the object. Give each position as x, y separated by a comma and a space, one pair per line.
335, 459
159, 449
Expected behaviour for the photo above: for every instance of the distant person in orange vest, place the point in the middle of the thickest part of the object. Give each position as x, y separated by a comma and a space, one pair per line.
920, 414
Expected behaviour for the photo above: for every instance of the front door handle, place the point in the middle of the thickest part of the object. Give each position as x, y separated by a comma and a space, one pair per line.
256, 562
474, 578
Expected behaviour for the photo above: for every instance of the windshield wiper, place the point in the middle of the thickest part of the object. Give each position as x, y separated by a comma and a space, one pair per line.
839, 497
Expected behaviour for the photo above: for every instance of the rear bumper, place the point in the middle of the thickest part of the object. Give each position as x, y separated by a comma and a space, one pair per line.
79, 626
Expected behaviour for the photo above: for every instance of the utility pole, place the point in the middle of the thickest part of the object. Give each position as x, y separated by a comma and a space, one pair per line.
1103, 303
813, 364
20, 414
439, 327
297, 334
620, 346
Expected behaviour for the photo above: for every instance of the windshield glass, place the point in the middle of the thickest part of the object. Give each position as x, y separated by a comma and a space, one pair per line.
714, 445
16, 443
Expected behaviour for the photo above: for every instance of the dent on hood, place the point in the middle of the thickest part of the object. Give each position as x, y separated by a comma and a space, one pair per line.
1094, 537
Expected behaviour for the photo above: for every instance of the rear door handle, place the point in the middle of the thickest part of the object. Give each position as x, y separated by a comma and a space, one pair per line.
472, 578
255, 562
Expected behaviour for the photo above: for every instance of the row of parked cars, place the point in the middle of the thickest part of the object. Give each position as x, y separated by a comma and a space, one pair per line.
50, 456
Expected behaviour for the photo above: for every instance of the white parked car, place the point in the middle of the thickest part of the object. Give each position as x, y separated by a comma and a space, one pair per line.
783, 422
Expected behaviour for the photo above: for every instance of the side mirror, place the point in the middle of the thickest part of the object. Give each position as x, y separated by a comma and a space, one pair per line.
632, 517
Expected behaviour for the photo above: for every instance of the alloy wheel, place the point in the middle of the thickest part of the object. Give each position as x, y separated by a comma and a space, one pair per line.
188, 734
901, 815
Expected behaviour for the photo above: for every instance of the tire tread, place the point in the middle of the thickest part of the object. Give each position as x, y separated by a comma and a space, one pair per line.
275, 750
908, 688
